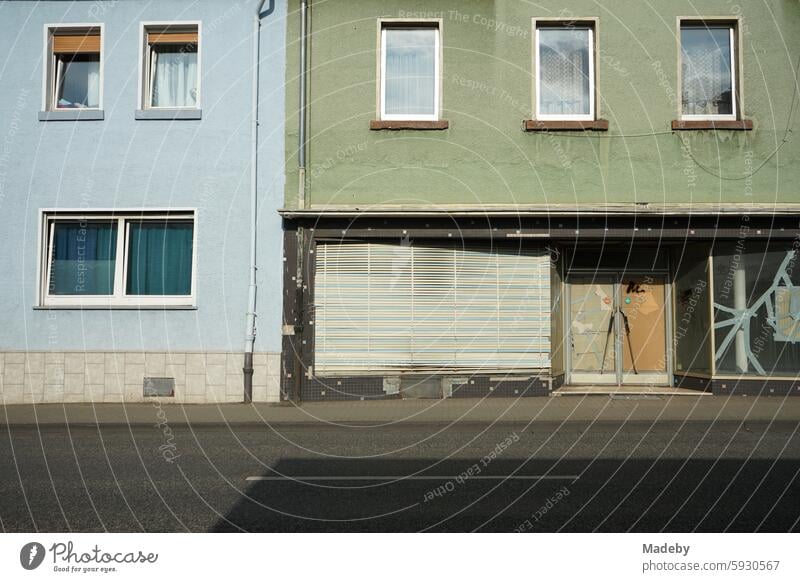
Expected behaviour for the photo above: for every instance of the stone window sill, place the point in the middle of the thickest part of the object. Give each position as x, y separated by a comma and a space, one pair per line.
169, 114
115, 307
72, 115
547, 125
732, 125
378, 125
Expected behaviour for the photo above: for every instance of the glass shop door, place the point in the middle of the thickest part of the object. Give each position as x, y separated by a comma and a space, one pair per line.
617, 330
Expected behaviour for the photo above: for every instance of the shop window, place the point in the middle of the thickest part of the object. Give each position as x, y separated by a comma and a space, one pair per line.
692, 310
757, 309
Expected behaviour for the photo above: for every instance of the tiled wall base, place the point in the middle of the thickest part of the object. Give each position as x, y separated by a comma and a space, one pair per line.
56, 377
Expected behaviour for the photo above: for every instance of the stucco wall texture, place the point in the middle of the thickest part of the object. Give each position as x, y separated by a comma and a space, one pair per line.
486, 157
122, 163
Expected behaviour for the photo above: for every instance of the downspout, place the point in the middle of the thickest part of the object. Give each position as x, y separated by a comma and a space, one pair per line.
250, 337
301, 153
301, 199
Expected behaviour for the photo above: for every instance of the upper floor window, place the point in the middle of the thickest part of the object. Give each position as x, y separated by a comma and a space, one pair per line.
708, 71
565, 71
74, 68
410, 71
98, 259
171, 66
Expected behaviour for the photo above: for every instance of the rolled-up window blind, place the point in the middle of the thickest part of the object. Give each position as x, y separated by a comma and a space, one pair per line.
172, 37
76, 43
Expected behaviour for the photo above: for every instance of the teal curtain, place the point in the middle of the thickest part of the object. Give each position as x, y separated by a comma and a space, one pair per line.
160, 258
83, 258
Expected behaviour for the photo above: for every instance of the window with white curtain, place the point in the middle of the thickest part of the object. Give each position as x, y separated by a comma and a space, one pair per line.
74, 68
708, 71
171, 67
565, 77
410, 72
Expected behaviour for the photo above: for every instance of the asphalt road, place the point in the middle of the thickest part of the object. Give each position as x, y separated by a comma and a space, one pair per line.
509, 477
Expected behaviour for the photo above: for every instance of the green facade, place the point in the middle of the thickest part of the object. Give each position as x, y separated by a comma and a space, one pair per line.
486, 158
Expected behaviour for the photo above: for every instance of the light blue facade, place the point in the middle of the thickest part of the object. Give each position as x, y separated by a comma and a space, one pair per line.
124, 163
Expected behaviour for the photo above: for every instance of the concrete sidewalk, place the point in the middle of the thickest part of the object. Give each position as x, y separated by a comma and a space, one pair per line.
565, 409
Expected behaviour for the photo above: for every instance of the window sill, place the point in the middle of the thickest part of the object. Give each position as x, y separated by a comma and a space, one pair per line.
380, 125
697, 125
72, 115
115, 307
169, 114
547, 125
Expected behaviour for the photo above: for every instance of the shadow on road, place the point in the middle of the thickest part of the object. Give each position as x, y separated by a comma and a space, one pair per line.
516, 495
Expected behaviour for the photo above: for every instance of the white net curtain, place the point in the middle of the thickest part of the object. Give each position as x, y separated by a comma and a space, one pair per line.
410, 71
174, 76
564, 74
706, 71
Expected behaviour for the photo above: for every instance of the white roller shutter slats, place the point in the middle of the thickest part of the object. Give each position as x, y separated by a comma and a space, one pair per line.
383, 308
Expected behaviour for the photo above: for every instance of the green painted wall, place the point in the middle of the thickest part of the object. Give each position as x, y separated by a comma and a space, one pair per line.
486, 158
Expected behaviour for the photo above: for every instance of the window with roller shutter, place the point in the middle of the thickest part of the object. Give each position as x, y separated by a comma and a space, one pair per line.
406, 307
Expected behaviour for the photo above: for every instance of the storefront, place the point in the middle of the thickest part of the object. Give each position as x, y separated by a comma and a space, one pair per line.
738, 315
426, 306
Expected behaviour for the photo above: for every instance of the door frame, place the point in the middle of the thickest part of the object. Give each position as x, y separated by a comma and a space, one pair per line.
616, 276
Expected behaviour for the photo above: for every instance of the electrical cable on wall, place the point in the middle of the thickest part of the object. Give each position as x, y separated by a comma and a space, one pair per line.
787, 135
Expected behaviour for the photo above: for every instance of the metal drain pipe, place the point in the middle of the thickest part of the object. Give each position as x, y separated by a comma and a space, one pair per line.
250, 336
301, 152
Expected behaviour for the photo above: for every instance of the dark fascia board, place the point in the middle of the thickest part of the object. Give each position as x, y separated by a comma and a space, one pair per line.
676, 210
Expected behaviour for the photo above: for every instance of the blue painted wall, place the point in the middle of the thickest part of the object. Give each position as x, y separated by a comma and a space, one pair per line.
124, 163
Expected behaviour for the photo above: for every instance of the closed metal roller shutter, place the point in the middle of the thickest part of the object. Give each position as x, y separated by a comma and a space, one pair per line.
383, 308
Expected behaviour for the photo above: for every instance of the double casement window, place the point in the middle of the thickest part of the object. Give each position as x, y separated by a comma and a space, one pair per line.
708, 70
118, 260
74, 68
565, 70
170, 66
410, 71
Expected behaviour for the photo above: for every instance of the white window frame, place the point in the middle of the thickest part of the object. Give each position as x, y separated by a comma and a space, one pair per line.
119, 298
583, 24
145, 69
732, 27
385, 24
49, 70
